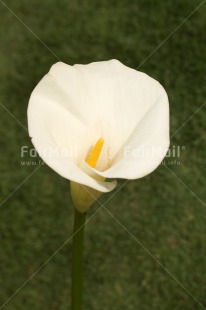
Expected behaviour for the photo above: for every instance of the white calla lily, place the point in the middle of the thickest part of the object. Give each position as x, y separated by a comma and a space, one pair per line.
72, 107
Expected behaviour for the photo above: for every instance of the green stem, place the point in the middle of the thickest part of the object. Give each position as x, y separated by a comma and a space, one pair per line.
77, 260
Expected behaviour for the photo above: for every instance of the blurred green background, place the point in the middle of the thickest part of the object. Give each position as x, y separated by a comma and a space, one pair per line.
148, 251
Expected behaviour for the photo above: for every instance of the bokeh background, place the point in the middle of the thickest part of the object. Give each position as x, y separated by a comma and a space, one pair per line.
146, 247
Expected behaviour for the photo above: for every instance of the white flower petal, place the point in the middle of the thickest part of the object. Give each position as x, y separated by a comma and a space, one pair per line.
147, 145
73, 106
56, 133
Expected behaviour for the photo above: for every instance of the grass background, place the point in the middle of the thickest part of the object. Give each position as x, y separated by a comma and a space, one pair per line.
164, 268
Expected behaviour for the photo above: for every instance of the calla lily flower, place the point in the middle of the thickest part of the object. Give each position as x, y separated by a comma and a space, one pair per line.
111, 121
